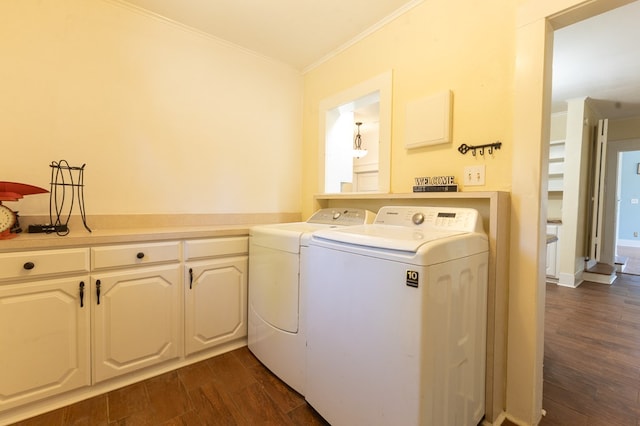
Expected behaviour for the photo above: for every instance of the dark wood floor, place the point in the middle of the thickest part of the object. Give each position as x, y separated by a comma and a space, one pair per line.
592, 354
230, 389
591, 375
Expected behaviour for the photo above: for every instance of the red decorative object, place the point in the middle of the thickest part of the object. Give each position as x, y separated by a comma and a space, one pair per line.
12, 191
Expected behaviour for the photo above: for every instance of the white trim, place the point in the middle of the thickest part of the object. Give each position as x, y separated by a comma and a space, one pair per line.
629, 243
570, 280
222, 42
382, 83
499, 420
600, 278
366, 33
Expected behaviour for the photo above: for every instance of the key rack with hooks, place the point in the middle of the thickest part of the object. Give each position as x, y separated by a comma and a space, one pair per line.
464, 148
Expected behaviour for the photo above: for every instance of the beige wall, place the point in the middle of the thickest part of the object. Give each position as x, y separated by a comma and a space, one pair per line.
167, 120
431, 48
496, 58
626, 128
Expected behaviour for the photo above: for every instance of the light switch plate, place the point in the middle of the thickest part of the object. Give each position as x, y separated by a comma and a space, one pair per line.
474, 175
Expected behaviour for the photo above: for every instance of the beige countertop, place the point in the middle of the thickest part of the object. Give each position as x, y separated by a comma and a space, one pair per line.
26, 241
122, 229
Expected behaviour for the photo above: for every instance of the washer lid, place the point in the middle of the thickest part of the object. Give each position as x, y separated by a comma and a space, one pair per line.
283, 236
385, 236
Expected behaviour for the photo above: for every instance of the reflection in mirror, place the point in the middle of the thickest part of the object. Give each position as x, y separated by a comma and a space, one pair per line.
342, 169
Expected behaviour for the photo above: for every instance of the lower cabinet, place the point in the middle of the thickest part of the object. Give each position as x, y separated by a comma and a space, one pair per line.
73, 318
553, 254
136, 318
44, 339
215, 297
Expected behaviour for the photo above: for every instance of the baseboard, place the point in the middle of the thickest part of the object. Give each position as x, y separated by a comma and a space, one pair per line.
570, 280
628, 243
600, 278
499, 420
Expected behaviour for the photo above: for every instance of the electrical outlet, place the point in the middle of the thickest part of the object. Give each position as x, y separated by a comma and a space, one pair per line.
474, 175
635, 234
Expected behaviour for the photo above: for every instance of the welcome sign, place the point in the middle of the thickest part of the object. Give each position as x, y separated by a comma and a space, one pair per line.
435, 184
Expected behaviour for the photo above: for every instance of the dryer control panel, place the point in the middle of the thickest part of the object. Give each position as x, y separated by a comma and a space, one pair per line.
435, 218
343, 217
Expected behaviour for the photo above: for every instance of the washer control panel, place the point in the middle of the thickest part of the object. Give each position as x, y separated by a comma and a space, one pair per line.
443, 218
343, 217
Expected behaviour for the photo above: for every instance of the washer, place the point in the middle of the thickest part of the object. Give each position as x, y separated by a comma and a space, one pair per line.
396, 319
276, 321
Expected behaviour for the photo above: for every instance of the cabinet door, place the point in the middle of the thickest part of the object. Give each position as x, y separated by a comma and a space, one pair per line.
215, 302
44, 339
552, 253
136, 318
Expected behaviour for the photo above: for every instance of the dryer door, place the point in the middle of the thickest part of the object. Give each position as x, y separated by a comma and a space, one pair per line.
273, 286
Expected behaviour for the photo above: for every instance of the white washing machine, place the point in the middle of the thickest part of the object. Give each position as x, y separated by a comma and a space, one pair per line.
396, 319
276, 321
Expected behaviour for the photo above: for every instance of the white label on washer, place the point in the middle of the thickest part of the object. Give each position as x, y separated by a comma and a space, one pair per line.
412, 278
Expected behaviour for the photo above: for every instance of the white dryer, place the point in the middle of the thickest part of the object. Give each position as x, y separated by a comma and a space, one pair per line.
396, 319
276, 314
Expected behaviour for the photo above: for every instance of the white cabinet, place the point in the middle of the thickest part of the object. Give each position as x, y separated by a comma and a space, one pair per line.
215, 292
136, 310
556, 165
44, 324
81, 321
552, 251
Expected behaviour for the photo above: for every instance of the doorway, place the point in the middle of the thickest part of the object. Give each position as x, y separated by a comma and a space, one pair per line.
626, 155
369, 102
606, 92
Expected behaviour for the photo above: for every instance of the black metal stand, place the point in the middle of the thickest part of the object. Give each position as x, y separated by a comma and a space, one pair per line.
62, 183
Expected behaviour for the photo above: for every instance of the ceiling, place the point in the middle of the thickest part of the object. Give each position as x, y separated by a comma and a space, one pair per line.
597, 57
296, 32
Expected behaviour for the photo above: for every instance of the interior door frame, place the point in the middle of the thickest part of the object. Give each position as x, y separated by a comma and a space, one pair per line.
612, 191
535, 23
598, 197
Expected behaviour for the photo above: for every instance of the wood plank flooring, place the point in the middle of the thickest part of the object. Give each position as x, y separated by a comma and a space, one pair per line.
230, 389
592, 354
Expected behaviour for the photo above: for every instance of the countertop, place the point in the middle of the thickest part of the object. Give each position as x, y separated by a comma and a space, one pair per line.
26, 241
123, 229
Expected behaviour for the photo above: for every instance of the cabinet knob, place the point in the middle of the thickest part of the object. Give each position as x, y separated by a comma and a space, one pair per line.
29, 266
140, 255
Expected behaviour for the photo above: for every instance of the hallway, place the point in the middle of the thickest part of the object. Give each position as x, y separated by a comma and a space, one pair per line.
633, 259
592, 354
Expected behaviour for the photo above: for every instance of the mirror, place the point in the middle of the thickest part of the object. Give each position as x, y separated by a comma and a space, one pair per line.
368, 103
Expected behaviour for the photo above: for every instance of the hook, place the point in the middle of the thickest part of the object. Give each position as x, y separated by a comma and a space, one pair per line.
464, 148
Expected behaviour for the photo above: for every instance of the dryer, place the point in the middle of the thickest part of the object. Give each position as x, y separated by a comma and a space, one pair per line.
276, 330
396, 319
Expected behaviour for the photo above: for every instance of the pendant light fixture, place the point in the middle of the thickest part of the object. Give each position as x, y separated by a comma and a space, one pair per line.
358, 151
